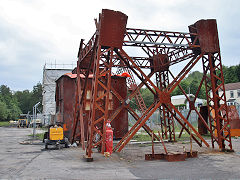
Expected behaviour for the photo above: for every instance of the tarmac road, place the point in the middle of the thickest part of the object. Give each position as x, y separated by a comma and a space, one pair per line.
31, 161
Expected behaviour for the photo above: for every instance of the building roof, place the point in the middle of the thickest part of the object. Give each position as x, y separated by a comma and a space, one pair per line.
231, 100
73, 76
232, 86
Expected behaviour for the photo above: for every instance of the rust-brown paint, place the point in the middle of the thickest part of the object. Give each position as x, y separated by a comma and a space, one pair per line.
65, 101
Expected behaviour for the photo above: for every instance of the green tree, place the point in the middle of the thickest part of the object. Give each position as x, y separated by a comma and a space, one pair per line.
24, 99
238, 72
37, 95
14, 110
195, 75
11, 105
27, 99
185, 86
231, 74
3, 111
191, 84
148, 96
5, 91
194, 86
11, 111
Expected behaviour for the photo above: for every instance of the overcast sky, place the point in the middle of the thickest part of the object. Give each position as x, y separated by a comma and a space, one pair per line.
33, 32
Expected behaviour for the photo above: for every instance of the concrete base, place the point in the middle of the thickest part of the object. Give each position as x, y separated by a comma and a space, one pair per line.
171, 156
88, 159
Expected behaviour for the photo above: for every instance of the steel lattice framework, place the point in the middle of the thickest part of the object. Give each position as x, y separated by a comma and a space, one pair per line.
106, 51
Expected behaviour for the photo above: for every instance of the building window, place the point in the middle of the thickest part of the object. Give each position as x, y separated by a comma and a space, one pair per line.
238, 92
88, 96
231, 94
110, 95
87, 106
110, 105
100, 94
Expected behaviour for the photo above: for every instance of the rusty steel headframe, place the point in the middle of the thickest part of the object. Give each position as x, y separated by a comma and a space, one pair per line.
105, 51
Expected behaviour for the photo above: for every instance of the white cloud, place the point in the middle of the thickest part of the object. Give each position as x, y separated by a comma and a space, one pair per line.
36, 31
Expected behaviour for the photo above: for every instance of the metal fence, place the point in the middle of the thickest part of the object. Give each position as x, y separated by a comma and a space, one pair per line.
154, 121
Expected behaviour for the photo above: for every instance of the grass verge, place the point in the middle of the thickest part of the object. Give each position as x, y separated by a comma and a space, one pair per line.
142, 137
4, 123
184, 138
38, 136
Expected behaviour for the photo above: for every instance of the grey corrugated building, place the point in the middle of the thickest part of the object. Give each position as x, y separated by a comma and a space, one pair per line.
51, 72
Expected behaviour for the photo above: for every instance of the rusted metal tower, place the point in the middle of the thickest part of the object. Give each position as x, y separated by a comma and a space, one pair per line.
163, 49
131, 83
